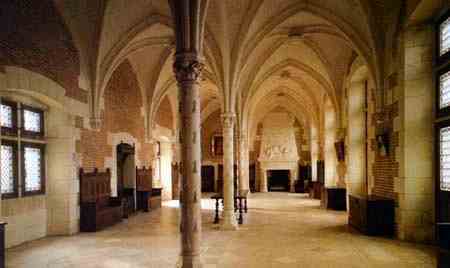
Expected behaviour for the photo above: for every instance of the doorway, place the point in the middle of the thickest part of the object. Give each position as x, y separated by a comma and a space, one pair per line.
126, 176
278, 180
207, 179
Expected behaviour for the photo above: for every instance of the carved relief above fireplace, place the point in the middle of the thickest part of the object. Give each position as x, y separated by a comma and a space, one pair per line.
278, 148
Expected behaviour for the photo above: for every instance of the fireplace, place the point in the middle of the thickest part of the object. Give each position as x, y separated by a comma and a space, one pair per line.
278, 180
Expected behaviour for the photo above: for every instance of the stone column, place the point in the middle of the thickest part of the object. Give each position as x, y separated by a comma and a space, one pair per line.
189, 21
314, 144
229, 218
292, 179
244, 183
263, 186
187, 69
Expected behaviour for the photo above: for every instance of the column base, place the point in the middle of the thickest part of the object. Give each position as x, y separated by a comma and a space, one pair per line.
189, 262
229, 222
264, 190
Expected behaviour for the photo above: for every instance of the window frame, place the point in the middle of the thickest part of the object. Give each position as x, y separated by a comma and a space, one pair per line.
32, 134
444, 111
15, 146
441, 59
13, 131
42, 147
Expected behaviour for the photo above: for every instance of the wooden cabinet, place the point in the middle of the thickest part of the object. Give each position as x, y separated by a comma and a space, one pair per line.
315, 191
443, 237
2, 244
372, 215
335, 198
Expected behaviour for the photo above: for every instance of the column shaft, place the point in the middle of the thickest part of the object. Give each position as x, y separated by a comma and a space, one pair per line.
187, 72
244, 183
229, 218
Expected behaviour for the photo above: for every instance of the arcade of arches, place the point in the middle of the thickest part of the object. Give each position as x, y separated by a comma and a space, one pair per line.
231, 97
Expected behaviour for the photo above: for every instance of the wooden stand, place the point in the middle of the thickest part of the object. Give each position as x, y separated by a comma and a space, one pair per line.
2, 244
335, 198
372, 215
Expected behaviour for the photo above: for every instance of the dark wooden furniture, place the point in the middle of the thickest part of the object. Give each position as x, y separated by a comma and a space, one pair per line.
143, 188
252, 177
175, 182
97, 208
2, 245
207, 179
155, 198
315, 190
443, 237
240, 205
372, 215
335, 198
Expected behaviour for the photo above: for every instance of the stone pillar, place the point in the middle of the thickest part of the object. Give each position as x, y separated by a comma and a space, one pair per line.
263, 186
244, 179
229, 218
415, 184
189, 21
187, 69
292, 179
356, 139
62, 174
314, 143
329, 149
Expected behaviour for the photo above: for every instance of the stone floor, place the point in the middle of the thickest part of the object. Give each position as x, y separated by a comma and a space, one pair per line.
281, 230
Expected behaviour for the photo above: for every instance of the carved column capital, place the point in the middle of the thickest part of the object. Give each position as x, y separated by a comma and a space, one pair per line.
187, 68
95, 123
228, 120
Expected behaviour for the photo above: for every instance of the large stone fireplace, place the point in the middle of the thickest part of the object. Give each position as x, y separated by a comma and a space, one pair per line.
278, 148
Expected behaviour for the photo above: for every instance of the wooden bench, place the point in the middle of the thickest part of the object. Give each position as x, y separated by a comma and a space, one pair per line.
97, 208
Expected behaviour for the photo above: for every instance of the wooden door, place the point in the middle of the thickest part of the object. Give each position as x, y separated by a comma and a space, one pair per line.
208, 179
252, 177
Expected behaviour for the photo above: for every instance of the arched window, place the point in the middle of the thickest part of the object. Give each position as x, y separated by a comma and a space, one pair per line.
22, 150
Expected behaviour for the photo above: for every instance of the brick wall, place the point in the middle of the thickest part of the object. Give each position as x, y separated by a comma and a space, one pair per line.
164, 116
122, 113
385, 168
35, 37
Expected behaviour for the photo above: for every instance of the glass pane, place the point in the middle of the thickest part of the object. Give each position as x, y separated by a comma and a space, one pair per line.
445, 158
444, 37
31, 121
32, 162
7, 169
6, 119
444, 89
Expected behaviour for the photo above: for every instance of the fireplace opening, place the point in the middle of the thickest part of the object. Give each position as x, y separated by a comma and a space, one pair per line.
278, 180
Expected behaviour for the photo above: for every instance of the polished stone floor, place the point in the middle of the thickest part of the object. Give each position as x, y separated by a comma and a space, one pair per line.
281, 230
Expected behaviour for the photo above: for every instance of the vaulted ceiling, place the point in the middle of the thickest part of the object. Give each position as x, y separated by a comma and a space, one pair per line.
258, 53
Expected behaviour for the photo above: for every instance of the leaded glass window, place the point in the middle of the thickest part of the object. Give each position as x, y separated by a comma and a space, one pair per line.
444, 90
444, 37
7, 169
6, 116
31, 121
32, 169
445, 158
